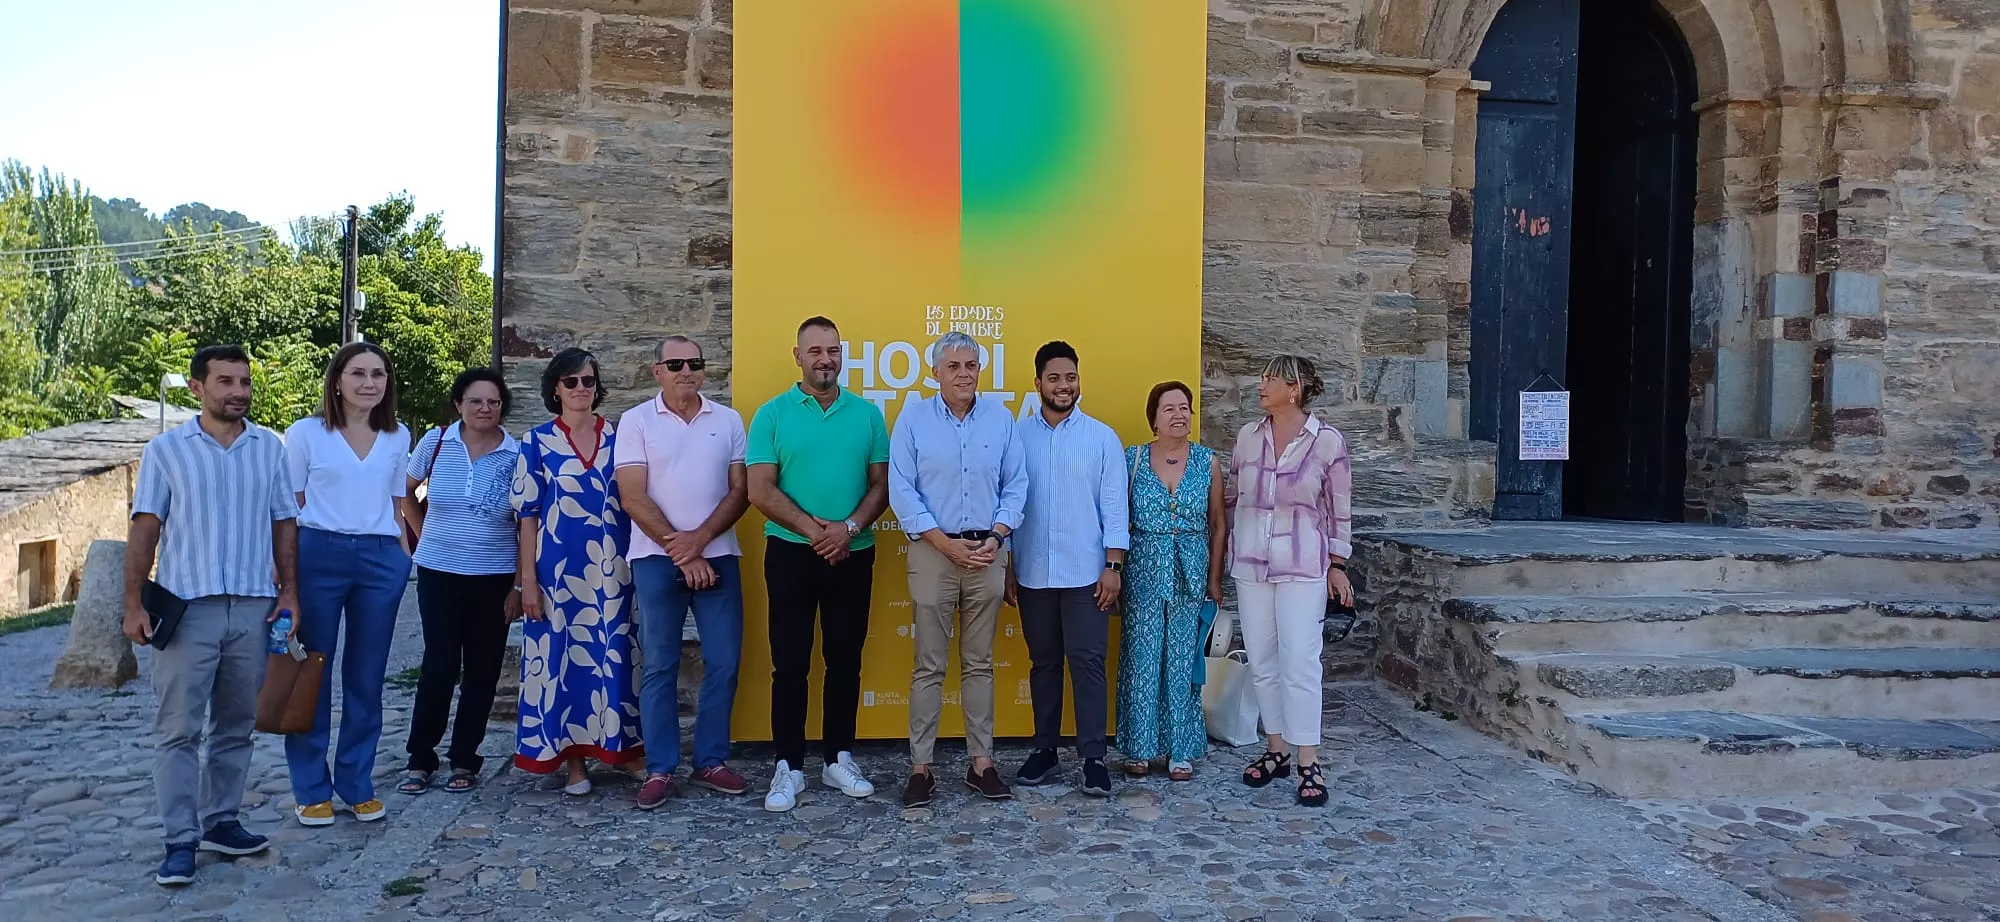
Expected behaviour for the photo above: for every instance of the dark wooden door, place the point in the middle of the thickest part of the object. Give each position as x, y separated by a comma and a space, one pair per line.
1521, 235
1630, 275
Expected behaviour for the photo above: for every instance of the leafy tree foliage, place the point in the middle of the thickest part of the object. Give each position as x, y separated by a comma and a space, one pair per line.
74, 330
124, 220
206, 218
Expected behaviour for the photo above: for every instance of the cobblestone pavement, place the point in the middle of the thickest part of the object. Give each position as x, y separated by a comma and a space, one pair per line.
1429, 821
1889, 858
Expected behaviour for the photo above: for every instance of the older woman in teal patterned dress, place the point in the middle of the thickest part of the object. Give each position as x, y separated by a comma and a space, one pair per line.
579, 694
1175, 565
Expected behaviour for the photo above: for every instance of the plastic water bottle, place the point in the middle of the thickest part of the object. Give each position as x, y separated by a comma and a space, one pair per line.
281, 631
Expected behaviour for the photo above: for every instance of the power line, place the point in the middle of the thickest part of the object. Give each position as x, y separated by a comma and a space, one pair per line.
82, 260
86, 247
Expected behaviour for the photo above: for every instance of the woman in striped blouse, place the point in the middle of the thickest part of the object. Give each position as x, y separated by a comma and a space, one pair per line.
1291, 496
467, 549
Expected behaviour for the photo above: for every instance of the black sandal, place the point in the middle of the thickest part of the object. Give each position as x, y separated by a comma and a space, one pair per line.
1269, 766
414, 783
461, 781
1312, 785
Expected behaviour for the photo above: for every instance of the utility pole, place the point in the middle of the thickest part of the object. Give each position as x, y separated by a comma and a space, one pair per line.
350, 259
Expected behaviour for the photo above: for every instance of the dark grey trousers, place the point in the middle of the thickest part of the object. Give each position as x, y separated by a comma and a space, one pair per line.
207, 680
1065, 625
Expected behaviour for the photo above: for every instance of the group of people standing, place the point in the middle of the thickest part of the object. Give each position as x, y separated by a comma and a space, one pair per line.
605, 536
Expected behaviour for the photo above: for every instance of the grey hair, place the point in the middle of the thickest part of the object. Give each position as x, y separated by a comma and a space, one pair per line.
1298, 370
661, 349
956, 339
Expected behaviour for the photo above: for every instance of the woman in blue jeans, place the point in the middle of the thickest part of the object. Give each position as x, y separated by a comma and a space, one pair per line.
347, 464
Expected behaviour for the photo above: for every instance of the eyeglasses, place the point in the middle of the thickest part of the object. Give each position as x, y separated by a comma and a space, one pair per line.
587, 382
678, 364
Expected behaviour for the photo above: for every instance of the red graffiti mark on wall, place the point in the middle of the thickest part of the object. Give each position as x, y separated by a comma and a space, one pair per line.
1533, 227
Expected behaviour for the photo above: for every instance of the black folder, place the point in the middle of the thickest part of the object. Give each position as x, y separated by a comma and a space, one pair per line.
165, 610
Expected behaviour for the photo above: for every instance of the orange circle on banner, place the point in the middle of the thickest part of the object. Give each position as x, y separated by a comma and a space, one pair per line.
898, 96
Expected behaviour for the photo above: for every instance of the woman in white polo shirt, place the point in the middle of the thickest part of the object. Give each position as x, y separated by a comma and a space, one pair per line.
347, 463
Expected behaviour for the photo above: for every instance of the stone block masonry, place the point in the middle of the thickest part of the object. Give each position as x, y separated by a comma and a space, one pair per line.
59, 491
1845, 324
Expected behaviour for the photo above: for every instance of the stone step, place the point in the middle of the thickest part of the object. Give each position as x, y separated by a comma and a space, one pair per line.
1696, 753
1902, 683
1699, 621
1568, 558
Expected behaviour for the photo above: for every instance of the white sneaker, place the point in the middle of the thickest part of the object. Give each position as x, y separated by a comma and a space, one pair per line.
844, 776
785, 787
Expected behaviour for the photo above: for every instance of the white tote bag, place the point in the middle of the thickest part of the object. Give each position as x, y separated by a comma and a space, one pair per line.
1228, 703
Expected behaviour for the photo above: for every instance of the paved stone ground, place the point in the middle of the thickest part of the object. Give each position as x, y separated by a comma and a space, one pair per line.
1429, 822
1890, 857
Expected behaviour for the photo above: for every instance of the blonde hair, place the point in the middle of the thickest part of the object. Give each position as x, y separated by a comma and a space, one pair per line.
1297, 370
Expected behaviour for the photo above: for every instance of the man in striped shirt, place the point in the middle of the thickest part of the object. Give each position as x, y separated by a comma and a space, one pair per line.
213, 501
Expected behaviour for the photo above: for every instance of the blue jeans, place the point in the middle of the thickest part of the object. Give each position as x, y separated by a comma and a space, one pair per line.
360, 578
718, 614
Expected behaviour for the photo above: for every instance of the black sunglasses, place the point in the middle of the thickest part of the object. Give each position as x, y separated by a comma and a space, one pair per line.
678, 364
588, 382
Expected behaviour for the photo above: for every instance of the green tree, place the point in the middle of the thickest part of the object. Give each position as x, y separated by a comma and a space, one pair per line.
206, 218
232, 290
124, 220
21, 410
81, 294
73, 331
430, 306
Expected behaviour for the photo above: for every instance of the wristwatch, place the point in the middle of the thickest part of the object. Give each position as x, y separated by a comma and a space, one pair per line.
852, 529
1114, 566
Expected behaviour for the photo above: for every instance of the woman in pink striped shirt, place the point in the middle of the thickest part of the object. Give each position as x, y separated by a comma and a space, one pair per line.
1290, 496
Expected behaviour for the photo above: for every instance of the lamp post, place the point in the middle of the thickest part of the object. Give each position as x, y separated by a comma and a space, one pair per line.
168, 381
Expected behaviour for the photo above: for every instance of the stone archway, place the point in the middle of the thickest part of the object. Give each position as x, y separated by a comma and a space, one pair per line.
1798, 100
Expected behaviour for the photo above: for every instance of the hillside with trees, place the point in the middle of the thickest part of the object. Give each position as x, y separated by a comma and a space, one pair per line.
85, 315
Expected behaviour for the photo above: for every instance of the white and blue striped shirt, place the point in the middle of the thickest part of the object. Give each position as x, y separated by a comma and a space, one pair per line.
216, 506
1077, 502
469, 524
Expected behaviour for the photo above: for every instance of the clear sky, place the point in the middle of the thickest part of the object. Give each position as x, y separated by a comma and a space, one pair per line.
274, 108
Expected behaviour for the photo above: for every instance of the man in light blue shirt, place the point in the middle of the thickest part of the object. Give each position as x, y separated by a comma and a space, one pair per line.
1069, 555
213, 499
957, 482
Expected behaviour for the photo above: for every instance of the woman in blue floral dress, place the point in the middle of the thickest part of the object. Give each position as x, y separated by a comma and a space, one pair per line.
1175, 565
579, 696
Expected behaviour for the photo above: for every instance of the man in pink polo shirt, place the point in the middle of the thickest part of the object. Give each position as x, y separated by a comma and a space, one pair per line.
681, 479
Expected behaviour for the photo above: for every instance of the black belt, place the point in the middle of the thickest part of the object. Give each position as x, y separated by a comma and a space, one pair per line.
975, 535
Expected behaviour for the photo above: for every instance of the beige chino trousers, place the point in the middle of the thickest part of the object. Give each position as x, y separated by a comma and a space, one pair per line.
939, 591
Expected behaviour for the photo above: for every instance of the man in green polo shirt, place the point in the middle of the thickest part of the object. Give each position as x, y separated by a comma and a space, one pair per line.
819, 472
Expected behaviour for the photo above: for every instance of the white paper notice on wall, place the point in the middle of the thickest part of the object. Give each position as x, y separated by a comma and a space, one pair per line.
1545, 425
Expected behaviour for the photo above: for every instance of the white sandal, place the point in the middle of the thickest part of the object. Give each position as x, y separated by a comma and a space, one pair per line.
578, 789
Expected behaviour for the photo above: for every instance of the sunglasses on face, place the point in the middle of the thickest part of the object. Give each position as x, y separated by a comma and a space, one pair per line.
678, 364
586, 382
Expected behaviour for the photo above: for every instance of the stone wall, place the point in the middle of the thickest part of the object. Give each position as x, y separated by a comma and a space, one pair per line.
1846, 336
72, 486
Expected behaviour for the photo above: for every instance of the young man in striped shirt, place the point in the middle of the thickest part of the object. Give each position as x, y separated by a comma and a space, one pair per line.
213, 500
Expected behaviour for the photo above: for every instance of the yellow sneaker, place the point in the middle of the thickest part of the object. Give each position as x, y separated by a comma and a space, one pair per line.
314, 814
369, 811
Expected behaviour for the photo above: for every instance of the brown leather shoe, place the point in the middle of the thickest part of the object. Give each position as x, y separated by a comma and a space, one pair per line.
919, 791
988, 784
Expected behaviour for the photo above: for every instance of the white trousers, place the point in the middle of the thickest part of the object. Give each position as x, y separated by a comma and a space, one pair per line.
1281, 633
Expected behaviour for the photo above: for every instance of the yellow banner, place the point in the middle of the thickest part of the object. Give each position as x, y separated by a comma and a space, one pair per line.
1020, 170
